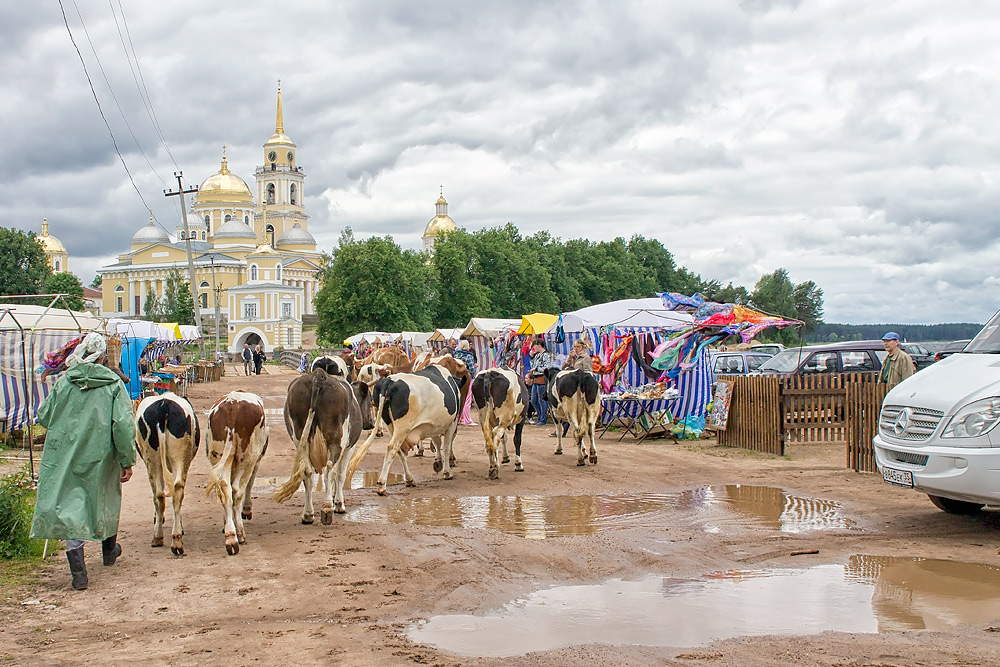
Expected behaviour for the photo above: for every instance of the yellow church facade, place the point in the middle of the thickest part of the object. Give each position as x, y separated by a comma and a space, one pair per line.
252, 250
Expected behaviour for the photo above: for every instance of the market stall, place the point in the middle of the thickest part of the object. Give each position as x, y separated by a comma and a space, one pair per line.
480, 331
439, 337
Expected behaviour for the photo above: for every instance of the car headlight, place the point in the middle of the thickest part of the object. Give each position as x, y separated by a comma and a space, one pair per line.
974, 419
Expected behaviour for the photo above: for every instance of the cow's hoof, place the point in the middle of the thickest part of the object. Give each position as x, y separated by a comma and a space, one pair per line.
411, 482
340, 509
246, 515
593, 459
157, 542
438, 466
242, 539
177, 550
518, 467
448, 475
581, 462
380, 489
233, 549
558, 452
494, 473
506, 459
307, 519
452, 461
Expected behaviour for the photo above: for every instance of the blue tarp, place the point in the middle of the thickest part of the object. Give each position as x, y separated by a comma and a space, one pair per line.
131, 351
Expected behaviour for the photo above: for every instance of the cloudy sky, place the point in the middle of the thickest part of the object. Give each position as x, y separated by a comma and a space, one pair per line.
854, 143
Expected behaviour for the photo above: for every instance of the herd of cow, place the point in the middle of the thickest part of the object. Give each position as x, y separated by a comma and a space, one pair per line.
325, 413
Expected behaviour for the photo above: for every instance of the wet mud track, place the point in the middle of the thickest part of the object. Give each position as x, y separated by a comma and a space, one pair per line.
680, 524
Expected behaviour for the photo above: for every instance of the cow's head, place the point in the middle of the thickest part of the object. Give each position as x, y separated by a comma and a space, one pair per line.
364, 396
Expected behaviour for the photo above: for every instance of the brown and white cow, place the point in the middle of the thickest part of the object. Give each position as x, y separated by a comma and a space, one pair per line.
500, 395
332, 365
324, 416
415, 406
392, 355
167, 436
235, 442
574, 396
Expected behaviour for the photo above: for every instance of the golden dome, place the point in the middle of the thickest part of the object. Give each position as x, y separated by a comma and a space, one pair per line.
438, 225
279, 138
224, 187
53, 246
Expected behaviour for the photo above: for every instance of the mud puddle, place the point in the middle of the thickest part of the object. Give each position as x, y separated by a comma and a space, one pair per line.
712, 508
362, 479
869, 594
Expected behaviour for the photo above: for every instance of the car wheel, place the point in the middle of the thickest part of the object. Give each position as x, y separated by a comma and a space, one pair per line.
955, 506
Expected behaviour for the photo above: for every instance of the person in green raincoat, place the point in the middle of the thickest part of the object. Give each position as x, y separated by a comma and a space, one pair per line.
89, 452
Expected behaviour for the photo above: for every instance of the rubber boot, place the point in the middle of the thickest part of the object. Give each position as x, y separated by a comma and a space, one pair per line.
111, 550
77, 568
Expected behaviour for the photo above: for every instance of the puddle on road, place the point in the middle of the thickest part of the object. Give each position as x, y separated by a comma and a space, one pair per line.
362, 479
712, 508
869, 594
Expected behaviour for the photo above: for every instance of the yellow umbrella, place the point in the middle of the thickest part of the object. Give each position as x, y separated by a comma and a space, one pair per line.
537, 323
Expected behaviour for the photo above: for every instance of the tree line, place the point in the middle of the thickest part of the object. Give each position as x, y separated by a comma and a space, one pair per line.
374, 284
913, 333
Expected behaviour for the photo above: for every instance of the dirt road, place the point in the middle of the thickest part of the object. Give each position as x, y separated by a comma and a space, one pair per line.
349, 593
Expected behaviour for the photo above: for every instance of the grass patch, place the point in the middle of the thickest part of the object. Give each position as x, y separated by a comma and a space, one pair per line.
22, 573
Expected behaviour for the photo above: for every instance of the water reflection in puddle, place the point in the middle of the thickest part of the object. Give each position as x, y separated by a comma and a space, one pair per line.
362, 479
869, 594
713, 508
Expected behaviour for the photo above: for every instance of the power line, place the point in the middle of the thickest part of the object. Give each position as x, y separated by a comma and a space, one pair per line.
113, 96
143, 92
104, 118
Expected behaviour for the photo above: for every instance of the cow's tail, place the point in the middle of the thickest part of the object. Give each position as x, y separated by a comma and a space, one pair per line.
360, 452
300, 468
168, 479
217, 485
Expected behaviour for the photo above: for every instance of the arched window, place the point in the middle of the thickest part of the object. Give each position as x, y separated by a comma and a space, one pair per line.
208, 221
246, 219
203, 236
204, 284
203, 299
57, 266
292, 198
119, 289
270, 193
253, 272
269, 233
277, 273
181, 236
228, 218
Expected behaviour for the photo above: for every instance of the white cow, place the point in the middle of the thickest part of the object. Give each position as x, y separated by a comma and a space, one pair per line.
500, 395
574, 396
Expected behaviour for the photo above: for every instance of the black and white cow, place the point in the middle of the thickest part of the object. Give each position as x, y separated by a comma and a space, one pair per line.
167, 436
324, 416
499, 394
414, 406
574, 396
332, 366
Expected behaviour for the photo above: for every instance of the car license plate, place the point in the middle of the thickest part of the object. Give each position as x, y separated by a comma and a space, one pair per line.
898, 477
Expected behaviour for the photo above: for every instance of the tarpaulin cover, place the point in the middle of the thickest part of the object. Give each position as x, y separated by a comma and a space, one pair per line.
537, 323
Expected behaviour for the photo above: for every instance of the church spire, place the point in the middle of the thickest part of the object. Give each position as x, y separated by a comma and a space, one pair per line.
45, 226
279, 123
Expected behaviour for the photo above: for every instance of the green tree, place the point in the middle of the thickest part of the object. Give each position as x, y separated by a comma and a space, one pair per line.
152, 309
69, 284
96, 282
24, 267
372, 285
774, 294
177, 305
808, 304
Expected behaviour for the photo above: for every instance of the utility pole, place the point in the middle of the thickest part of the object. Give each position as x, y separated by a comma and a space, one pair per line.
187, 242
215, 294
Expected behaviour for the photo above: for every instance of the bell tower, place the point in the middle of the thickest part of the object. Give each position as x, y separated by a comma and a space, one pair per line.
280, 183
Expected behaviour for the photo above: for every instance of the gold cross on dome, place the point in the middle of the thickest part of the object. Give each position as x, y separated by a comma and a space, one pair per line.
223, 150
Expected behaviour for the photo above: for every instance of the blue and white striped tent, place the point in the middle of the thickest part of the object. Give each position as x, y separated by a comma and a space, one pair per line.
27, 334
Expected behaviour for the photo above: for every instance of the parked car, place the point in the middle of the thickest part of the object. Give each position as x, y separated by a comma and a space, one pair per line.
767, 348
922, 357
736, 362
937, 429
951, 348
862, 356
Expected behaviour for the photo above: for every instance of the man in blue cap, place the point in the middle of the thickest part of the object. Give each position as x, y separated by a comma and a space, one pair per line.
897, 366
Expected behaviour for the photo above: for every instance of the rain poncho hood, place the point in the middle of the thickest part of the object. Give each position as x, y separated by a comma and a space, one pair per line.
90, 438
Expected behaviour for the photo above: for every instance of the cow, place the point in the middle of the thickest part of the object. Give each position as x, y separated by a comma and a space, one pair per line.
235, 442
332, 365
324, 416
167, 436
392, 355
574, 396
370, 373
499, 394
415, 406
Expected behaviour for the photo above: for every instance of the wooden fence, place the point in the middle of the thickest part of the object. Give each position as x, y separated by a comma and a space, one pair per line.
768, 411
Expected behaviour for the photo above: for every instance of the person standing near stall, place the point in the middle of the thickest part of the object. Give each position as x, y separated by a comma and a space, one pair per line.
463, 353
258, 359
541, 360
89, 453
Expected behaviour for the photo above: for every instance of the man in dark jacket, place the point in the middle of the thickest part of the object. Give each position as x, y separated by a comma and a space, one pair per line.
247, 358
258, 359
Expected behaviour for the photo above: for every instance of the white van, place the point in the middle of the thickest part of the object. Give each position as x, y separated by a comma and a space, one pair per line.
937, 430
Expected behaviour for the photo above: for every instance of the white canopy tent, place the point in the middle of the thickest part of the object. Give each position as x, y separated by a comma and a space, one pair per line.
444, 335
626, 313
490, 327
416, 339
369, 337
